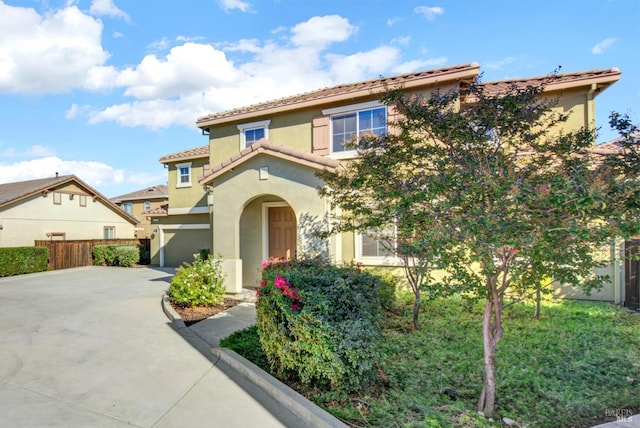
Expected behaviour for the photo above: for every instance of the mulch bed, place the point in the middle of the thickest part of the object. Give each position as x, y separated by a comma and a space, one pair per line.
191, 315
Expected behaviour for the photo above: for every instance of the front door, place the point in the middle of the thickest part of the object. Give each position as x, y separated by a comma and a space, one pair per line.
282, 233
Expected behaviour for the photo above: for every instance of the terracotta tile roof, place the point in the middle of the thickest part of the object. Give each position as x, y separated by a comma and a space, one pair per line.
20, 189
153, 192
283, 152
604, 77
196, 153
160, 211
614, 146
346, 91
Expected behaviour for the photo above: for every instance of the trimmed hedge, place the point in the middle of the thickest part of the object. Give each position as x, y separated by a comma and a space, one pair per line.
319, 324
116, 255
20, 260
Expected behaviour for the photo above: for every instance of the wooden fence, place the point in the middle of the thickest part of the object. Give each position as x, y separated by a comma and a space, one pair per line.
632, 274
79, 253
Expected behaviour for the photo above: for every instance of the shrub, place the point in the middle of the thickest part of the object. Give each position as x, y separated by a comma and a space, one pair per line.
20, 260
116, 255
320, 323
199, 283
246, 342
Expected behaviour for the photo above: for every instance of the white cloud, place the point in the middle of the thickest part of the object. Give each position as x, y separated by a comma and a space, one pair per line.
108, 8
429, 12
402, 41
420, 64
242, 6
600, 47
96, 174
362, 65
53, 53
36, 150
498, 65
187, 68
392, 21
321, 31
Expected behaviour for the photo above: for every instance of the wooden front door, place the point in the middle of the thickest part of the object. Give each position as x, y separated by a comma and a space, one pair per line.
282, 233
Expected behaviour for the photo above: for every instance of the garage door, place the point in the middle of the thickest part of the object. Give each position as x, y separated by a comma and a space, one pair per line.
180, 245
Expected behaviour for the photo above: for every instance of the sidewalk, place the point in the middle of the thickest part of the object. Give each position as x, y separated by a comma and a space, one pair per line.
213, 329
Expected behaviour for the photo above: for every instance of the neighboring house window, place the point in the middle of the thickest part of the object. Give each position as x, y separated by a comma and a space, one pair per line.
82, 200
127, 207
355, 121
147, 205
183, 175
57, 198
109, 232
253, 132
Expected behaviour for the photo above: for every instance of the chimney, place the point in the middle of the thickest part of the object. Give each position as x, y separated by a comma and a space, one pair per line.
56, 175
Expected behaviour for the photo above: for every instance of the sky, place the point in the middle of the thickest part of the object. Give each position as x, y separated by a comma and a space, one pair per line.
103, 88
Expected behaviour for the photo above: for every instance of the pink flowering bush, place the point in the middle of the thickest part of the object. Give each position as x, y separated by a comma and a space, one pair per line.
319, 324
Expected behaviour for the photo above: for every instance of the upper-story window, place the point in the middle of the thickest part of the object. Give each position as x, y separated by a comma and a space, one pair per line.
127, 207
147, 205
355, 121
253, 132
183, 178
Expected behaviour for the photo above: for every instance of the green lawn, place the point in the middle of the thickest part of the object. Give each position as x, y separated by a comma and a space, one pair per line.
578, 363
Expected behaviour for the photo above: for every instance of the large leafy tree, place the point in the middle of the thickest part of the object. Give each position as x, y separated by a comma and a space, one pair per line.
493, 191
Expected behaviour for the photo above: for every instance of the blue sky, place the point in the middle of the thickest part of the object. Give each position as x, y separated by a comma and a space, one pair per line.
104, 88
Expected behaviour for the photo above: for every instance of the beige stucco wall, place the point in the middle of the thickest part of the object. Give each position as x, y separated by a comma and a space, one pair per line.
190, 196
33, 218
237, 207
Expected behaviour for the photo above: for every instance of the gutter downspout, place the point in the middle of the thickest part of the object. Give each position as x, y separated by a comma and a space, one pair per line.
590, 110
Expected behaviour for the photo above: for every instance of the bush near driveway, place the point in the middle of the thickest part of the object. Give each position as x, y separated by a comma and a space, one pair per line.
320, 324
198, 283
20, 260
116, 255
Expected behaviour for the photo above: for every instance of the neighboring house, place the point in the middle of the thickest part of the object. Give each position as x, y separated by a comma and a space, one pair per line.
58, 208
182, 227
262, 183
625, 276
139, 202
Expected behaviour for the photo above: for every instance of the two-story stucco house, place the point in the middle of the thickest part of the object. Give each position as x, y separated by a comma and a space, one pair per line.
259, 182
137, 203
59, 208
183, 226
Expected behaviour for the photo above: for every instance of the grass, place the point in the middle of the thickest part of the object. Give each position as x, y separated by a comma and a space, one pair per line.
574, 366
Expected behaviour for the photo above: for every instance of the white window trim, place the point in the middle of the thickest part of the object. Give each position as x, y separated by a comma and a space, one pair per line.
373, 260
347, 154
182, 165
253, 125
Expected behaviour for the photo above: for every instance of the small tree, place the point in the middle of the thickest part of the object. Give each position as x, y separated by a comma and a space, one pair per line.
505, 198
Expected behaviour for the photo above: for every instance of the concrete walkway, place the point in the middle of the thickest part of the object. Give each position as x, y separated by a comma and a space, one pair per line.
91, 347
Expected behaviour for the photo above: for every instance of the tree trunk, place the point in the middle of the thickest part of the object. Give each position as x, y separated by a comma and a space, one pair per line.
416, 311
488, 394
491, 334
536, 315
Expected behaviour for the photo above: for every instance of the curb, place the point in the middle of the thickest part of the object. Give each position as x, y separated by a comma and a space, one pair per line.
295, 402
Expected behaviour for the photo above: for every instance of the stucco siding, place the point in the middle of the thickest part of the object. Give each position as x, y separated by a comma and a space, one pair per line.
189, 196
33, 218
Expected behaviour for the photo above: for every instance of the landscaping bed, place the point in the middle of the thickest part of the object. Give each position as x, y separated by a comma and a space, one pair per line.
578, 365
192, 314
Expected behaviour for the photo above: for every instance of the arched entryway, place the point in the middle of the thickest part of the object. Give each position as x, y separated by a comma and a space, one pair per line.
268, 229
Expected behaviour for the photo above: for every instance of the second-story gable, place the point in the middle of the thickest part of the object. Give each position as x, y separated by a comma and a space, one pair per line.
185, 168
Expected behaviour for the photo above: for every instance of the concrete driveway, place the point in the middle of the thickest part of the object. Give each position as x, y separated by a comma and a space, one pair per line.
91, 347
